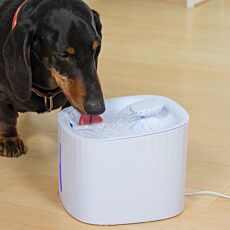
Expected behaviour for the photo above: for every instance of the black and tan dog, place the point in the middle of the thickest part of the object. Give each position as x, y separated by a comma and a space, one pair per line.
47, 60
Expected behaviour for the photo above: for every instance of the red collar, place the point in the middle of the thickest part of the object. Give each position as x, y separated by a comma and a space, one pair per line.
15, 19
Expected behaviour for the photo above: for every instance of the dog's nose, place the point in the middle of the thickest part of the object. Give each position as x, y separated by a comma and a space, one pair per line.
95, 107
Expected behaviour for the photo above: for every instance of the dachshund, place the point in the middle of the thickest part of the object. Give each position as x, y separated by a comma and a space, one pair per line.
49, 56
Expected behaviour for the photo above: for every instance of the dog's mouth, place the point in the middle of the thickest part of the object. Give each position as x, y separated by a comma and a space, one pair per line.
75, 91
92, 108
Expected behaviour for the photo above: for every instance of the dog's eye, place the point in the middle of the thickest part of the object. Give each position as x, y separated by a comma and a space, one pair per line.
62, 54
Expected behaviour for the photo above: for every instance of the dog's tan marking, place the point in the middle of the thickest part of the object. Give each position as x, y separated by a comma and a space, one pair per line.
71, 50
73, 89
95, 45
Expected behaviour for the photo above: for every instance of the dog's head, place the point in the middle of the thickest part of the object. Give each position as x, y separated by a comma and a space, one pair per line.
66, 37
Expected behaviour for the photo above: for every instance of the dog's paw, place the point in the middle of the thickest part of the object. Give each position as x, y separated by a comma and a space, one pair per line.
12, 147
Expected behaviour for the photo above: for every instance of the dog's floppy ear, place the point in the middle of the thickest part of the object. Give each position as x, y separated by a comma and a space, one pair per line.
98, 26
97, 21
17, 59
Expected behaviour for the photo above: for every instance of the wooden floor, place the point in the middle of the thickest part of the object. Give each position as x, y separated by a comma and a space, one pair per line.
150, 47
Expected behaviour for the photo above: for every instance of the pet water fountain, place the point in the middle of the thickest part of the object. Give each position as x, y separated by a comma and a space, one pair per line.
130, 168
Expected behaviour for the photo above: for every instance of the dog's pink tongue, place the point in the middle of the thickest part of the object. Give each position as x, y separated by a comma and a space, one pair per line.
86, 119
96, 119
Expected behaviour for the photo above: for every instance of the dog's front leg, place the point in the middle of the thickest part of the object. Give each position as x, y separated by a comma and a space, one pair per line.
10, 143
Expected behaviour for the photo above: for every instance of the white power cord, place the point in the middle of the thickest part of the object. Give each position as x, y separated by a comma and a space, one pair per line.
209, 193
